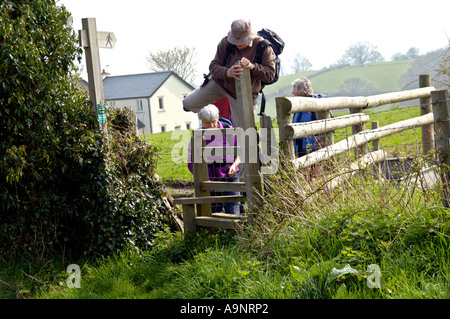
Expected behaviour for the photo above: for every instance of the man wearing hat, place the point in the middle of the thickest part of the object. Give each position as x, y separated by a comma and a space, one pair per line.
239, 45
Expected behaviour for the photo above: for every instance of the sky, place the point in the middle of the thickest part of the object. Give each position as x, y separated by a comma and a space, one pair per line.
320, 30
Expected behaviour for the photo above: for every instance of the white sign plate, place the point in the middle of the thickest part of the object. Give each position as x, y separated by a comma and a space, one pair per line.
104, 39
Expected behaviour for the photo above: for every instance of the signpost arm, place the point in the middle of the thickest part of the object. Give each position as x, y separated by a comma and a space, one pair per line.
94, 70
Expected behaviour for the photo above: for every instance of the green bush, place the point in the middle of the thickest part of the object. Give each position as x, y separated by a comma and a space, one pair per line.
64, 187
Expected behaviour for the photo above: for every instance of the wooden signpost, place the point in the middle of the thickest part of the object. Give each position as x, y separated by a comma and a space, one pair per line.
91, 41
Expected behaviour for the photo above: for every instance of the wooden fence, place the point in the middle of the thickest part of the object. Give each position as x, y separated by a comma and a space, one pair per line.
434, 114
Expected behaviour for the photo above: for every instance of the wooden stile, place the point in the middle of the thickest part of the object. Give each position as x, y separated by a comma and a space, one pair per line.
252, 178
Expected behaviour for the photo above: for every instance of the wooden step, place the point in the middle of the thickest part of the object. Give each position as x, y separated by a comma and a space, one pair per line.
210, 199
217, 222
232, 216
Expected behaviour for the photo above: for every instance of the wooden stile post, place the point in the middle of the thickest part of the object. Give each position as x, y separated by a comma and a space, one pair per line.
441, 111
269, 146
247, 123
200, 169
425, 108
190, 225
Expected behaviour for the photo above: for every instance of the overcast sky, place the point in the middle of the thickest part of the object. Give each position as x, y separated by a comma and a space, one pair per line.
320, 30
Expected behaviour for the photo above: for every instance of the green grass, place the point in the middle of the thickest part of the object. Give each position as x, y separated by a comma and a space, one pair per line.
314, 245
298, 256
171, 165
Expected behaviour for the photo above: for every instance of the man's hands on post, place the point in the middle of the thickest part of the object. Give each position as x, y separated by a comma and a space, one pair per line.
236, 70
247, 64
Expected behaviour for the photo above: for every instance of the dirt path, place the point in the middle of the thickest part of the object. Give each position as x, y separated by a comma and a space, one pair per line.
180, 188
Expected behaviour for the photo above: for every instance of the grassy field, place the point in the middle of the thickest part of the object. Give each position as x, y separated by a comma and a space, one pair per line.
171, 163
383, 76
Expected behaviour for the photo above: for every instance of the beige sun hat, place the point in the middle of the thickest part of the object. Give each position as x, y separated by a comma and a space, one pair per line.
241, 32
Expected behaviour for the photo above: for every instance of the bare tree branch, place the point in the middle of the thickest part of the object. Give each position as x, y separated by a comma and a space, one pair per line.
180, 60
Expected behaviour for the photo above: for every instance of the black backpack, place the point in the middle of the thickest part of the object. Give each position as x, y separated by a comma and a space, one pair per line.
277, 44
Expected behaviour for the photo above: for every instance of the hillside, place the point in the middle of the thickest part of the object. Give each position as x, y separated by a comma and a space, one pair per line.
383, 77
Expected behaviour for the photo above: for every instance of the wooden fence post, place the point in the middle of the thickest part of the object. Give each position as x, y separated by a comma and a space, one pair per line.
441, 112
269, 147
247, 121
325, 139
284, 119
425, 107
376, 147
360, 150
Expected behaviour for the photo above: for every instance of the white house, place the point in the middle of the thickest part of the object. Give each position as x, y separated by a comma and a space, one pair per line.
156, 98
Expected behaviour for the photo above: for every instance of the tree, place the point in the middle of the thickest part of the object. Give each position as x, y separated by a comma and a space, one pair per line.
356, 86
435, 63
300, 64
362, 53
412, 53
62, 189
180, 60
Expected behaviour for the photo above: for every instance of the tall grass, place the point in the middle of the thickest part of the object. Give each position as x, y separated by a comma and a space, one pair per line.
303, 242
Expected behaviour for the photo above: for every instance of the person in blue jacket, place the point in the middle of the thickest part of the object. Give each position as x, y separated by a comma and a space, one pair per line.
305, 145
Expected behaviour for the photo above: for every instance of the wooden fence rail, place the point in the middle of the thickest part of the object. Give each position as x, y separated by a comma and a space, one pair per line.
435, 116
322, 126
289, 105
361, 138
301, 104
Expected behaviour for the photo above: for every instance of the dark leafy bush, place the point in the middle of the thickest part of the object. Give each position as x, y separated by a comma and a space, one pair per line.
64, 186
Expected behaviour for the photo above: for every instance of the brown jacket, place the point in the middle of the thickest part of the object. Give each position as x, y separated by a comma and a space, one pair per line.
262, 72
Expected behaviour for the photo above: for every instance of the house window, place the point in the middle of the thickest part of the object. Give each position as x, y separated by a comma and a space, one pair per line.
140, 106
188, 126
163, 128
161, 103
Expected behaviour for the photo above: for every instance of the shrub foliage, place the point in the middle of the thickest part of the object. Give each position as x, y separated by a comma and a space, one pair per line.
64, 186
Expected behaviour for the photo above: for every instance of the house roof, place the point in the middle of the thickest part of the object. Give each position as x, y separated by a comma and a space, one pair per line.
135, 85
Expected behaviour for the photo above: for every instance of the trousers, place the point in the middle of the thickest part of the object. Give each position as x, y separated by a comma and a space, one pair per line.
208, 94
